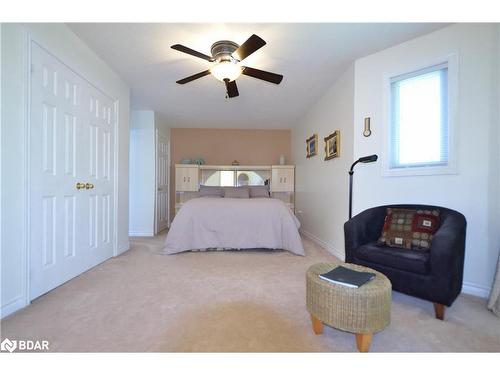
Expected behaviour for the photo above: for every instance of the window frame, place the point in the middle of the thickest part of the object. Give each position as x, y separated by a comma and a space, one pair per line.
451, 62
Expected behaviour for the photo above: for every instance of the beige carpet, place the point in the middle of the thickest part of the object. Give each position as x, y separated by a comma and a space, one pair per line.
226, 301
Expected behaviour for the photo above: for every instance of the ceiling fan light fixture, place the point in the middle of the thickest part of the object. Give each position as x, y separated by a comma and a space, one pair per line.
226, 70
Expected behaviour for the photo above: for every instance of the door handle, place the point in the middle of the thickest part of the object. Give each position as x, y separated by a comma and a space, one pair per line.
80, 185
89, 186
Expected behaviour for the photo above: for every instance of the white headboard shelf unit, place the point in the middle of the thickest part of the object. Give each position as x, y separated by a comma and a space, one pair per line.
236, 167
189, 177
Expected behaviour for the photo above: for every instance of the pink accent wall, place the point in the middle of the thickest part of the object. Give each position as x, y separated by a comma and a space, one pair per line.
222, 146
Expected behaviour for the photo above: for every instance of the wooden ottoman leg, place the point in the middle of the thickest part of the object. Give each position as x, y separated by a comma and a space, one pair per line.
317, 325
363, 341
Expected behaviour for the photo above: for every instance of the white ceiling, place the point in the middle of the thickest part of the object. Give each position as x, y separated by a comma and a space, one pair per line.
310, 56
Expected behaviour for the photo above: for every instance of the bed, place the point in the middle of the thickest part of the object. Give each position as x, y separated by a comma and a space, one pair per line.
234, 223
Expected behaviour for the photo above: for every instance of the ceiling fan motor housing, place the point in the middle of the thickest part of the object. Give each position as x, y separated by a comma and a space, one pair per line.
223, 49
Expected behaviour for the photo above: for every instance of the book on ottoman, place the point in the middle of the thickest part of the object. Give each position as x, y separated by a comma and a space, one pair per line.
347, 277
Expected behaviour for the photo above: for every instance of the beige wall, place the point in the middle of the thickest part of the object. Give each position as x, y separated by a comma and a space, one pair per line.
222, 146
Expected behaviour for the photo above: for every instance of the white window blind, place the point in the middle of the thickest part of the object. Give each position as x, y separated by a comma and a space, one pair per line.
419, 118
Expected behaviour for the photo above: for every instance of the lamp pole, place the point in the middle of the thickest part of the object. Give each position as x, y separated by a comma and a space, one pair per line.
364, 159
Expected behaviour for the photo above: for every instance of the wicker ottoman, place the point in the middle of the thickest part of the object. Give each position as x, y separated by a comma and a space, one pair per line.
363, 311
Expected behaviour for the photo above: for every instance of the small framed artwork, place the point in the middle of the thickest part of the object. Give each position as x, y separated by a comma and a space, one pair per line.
312, 145
332, 145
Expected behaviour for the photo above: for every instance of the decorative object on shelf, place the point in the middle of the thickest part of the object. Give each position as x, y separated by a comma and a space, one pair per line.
364, 159
186, 161
367, 130
312, 146
235, 162
243, 179
199, 161
282, 159
332, 145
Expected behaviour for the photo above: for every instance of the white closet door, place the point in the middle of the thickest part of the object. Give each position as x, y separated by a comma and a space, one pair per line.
71, 141
161, 182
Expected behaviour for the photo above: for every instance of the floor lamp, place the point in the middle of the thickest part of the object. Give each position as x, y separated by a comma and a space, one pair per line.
364, 159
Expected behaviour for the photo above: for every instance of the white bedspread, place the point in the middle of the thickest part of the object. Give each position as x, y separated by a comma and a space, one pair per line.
204, 223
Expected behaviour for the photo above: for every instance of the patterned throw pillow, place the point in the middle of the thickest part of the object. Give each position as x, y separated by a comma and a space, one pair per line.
409, 229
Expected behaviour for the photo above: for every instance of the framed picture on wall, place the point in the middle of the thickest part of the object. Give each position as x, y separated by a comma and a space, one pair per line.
312, 146
332, 145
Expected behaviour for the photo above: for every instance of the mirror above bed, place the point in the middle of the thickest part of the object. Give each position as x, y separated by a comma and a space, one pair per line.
234, 178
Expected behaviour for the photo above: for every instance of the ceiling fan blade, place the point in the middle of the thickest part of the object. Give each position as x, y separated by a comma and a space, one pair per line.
251, 45
232, 89
261, 74
181, 48
193, 77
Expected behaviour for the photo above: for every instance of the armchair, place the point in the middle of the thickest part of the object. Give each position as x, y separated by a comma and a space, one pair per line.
435, 275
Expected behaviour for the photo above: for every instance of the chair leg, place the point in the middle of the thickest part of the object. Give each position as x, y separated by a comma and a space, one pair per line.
439, 310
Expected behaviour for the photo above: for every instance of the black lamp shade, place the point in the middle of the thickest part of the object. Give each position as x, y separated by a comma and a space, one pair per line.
368, 159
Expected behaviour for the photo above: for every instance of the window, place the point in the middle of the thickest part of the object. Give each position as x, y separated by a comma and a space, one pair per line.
419, 119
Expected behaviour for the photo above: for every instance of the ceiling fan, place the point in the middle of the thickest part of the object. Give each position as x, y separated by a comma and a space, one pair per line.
226, 58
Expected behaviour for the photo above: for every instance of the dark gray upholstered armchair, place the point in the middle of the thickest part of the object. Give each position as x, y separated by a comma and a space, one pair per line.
435, 275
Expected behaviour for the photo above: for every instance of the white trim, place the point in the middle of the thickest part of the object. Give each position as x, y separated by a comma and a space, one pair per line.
11, 307
155, 192
323, 244
235, 167
452, 61
168, 180
1, 211
26, 256
141, 234
116, 173
24, 299
476, 290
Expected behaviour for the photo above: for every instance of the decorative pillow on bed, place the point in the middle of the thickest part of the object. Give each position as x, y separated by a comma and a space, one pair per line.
409, 229
261, 191
236, 192
211, 191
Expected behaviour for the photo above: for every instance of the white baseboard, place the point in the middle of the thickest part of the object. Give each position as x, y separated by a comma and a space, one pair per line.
141, 234
12, 307
476, 290
318, 241
467, 287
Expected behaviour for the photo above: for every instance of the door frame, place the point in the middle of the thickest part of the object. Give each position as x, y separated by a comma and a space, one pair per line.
26, 256
155, 225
